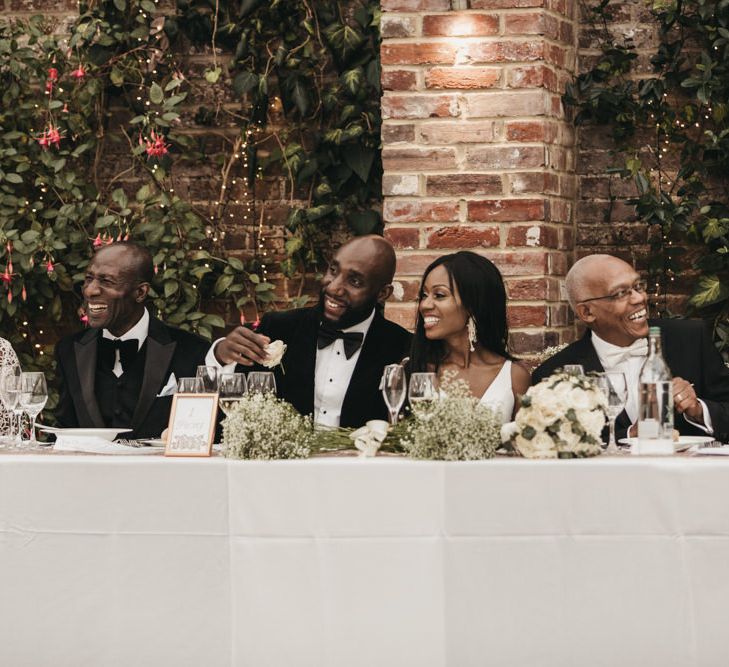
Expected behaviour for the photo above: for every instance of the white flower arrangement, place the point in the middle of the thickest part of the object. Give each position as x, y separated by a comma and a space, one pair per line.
562, 416
262, 426
454, 428
275, 351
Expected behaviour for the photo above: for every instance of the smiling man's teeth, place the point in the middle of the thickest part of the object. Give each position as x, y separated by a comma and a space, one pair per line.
97, 308
334, 304
638, 315
431, 320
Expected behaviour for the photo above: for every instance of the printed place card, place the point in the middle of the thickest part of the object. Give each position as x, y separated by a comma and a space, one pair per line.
192, 425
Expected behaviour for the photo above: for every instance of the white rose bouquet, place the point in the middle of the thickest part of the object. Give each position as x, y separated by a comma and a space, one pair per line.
275, 351
562, 416
262, 426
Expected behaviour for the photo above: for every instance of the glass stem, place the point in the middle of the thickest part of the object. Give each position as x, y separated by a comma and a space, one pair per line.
612, 445
393, 417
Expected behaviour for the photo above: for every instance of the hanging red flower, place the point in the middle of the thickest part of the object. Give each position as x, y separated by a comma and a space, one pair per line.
79, 73
10, 296
97, 241
50, 137
49, 266
242, 318
155, 145
6, 277
52, 78
23, 294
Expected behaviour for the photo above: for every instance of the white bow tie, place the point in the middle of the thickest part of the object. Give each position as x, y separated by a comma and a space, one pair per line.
638, 348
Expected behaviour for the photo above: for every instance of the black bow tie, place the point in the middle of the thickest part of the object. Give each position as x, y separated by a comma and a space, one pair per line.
127, 352
352, 339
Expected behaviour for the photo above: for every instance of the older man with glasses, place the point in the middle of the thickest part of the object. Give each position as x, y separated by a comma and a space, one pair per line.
609, 297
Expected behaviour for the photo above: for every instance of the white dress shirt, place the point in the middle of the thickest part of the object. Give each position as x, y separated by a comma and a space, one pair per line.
630, 367
139, 331
333, 374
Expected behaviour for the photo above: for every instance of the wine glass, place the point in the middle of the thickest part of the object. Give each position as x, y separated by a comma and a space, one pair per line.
422, 389
189, 386
574, 369
232, 389
393, 387
33, 398
613, 385
10, 396
262, 382
209, 378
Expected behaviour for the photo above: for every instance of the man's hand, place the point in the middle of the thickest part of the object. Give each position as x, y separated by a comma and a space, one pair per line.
242, 346
685, 400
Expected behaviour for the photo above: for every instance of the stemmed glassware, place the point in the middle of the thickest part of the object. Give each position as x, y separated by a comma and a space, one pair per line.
393, 387
233, 387
209, 378
33, 398
10, 395
189, 386
263, 382
614, 386
423, 388
574, 369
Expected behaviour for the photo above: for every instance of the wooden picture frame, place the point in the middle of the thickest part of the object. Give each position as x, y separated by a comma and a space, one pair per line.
192, 425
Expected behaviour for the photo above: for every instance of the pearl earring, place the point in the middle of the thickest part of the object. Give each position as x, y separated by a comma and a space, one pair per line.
471, 326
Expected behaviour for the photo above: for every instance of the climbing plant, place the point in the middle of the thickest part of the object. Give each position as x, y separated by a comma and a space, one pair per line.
99, 124
672, 127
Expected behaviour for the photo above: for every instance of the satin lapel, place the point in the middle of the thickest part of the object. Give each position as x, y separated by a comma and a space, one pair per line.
160, 350
366, 374
301, 359
85, 351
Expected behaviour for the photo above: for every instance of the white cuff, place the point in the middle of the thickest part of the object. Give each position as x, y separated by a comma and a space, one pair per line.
211, 360
707, 427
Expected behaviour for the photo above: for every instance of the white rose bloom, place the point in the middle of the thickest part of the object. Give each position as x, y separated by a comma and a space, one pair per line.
274, 353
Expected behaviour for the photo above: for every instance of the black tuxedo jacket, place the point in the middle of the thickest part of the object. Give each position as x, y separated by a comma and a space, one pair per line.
385, 343
689, 353
169, 350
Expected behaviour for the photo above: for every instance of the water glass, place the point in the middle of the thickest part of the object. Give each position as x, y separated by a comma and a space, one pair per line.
614, 387
189, 386
233, 387
423, 389
393, 387
262, 382
33, 398
209, 377
10, 395
574, 369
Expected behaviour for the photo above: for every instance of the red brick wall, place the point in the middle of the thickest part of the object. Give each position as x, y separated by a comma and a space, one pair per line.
476, 150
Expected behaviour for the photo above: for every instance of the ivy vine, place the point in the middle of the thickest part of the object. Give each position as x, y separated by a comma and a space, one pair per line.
98, 127
673, 129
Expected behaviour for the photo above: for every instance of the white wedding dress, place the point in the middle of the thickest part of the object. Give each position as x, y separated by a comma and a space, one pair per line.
9, 359
499, 395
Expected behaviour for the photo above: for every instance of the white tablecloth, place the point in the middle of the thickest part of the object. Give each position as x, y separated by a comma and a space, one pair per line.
140, 561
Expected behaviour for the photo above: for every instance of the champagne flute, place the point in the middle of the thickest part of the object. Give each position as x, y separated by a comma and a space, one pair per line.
209, 378
393, 387
10, 396
262, 382
33, 398
232, 389
422, 389
189, 386
615, 388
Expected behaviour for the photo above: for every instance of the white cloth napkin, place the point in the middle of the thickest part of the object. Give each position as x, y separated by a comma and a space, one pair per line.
95, 445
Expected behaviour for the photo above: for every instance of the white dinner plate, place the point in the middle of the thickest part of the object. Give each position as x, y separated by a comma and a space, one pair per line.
683, 442
103, 433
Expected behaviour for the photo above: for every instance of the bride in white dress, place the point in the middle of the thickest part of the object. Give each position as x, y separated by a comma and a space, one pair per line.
461, 328
8, 359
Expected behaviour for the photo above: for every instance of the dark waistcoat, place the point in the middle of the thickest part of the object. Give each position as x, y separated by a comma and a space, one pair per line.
117, 396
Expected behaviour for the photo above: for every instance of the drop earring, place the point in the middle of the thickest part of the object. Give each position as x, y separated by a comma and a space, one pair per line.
471, 327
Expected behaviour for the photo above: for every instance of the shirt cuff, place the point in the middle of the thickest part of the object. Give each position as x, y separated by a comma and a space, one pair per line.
707, 427
210, 359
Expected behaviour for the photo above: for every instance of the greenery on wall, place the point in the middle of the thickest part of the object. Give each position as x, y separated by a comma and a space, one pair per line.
673, 127
98, 127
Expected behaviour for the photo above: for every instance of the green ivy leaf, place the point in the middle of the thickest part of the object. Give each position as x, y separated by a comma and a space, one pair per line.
212, 75
121, 5
709, 291
156, 95
13, 178
360, 160
244, 82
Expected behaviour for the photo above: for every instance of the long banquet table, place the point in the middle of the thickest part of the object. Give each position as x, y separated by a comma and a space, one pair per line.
343, 562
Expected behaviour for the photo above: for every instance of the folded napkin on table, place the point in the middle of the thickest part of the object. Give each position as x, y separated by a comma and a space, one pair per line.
96, 445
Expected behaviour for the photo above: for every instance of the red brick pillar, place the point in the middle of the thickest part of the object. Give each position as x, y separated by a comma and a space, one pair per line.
476, 151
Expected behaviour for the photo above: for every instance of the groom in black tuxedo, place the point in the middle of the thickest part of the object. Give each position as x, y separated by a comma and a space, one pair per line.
608, 295
336, 351
119, 372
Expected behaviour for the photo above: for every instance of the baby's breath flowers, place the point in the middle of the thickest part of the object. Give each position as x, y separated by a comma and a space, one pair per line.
262, 426
563, 415
454, 428
549, 352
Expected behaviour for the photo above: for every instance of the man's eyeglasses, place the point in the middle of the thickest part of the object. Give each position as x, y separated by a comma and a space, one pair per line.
639, 286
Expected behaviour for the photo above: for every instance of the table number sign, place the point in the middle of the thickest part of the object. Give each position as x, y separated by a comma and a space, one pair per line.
192, 425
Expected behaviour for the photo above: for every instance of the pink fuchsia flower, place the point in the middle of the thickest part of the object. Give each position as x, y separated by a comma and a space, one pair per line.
50, 137
6, 277
97, 241
155, 145
49, 266
23, 294
52, 78
79, 73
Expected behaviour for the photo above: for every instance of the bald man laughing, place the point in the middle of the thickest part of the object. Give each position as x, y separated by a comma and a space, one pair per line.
609, 297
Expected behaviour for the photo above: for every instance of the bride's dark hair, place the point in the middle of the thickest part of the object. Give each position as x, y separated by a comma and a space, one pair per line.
482, 294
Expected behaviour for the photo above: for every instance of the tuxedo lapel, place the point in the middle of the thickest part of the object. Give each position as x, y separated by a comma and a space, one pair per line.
160, 349
85, 351
299, 364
